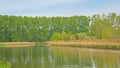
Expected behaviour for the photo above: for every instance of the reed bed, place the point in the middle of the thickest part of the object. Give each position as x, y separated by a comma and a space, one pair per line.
17, 44
106, 44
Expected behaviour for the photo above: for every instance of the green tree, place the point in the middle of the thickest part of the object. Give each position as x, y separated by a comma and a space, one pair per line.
102, 28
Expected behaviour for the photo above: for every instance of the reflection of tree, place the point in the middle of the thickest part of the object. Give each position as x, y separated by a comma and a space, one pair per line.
44, 57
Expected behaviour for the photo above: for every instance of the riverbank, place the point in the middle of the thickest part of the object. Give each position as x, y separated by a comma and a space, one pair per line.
17, 44
104, 44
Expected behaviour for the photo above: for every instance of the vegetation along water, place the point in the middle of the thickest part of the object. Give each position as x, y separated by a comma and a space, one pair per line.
38, 29
22, 39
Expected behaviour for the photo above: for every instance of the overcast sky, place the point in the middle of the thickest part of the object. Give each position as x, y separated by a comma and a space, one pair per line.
58, 7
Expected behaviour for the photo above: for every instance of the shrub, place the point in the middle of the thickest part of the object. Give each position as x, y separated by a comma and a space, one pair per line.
56, 37
4, 64
64, 35
71, 36
82, 36
68, 36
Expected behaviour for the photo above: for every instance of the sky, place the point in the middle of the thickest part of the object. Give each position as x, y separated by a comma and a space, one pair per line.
58, 7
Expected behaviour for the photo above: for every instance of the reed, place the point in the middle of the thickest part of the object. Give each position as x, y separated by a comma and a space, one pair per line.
17, 44
104, 44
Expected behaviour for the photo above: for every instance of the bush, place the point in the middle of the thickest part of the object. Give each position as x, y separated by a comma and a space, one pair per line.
64, 35
71, 36
4, 64
68, 36
82, 36
56, 37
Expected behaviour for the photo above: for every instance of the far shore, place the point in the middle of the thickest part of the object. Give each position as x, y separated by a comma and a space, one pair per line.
17, 44
86, 42
106, 44
103, 44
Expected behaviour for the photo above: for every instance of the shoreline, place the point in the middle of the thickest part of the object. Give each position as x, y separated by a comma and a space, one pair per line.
99, 44
17, 44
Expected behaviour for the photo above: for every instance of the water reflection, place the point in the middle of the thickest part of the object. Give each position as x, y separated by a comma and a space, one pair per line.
60, 57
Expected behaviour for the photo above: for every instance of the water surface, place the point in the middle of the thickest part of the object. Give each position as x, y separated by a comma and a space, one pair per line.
59, 57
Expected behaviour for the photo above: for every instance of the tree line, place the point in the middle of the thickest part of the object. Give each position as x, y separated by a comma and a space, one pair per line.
36, 29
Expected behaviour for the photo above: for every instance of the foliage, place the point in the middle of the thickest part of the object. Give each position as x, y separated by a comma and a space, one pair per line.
33, 29
56, 37
102, 27
71, 36
18, 28
4, 64
68, 36
64, 35
82, 36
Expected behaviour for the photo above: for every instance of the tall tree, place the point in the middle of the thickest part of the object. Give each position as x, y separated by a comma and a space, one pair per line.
102, 28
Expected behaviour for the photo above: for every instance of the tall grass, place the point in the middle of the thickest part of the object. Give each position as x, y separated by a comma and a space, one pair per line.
106, 44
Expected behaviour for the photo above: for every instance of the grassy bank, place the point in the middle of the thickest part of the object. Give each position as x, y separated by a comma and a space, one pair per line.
17, 44
104, 44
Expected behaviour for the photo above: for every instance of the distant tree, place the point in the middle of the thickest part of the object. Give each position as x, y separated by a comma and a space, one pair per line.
34, 29
102, 28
